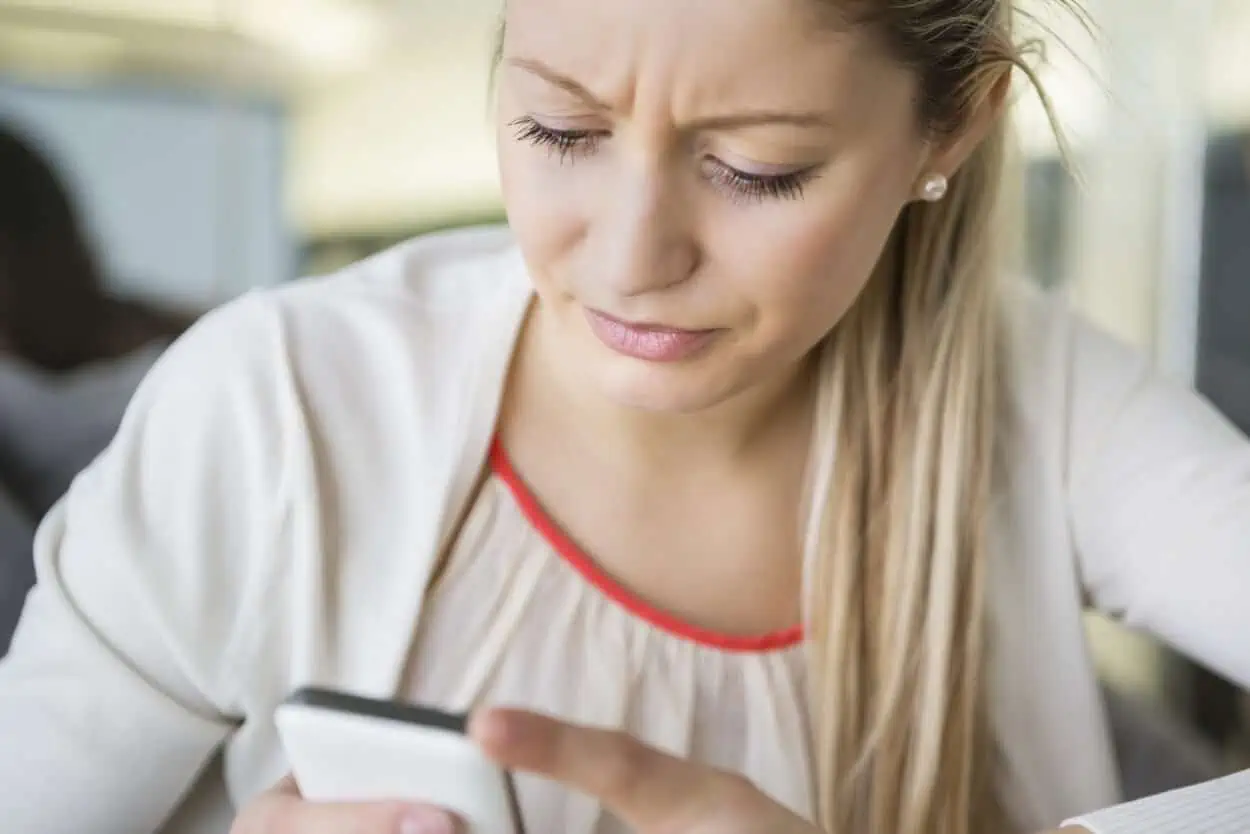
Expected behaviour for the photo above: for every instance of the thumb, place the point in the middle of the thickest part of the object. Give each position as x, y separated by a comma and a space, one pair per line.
281, 810
644, 787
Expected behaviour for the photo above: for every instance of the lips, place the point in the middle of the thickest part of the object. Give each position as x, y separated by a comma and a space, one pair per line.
649, 342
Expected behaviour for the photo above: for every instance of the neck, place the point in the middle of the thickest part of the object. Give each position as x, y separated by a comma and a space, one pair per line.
747, 427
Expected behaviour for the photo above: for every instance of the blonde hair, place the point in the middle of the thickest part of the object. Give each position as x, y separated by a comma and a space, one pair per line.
913, 411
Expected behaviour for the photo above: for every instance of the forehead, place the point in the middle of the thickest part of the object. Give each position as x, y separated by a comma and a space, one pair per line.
708, 53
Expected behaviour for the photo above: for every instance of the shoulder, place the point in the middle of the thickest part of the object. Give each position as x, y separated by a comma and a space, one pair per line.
460, 269
346, 364
271, 410
384, 342
466, 274
443, 297
1077, 391
1062, 364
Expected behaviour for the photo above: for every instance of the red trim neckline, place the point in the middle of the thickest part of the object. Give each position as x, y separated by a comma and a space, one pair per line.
576, 558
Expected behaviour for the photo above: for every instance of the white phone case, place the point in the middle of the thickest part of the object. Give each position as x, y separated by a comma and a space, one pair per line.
343, 748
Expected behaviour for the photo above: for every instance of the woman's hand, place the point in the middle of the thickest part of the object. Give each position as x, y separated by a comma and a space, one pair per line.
281, 810
650, 791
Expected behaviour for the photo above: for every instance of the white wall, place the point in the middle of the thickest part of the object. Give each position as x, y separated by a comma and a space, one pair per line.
406, 143
1136, 227
182, 193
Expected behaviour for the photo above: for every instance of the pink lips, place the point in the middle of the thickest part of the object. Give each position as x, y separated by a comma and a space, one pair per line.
649, 342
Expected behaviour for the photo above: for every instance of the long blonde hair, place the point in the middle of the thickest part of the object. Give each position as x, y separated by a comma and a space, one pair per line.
912, 406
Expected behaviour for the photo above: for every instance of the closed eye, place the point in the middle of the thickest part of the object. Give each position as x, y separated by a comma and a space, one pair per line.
562, 143
758, 187
740, 185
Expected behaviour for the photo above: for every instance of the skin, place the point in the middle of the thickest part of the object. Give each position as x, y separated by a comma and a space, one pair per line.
698, 462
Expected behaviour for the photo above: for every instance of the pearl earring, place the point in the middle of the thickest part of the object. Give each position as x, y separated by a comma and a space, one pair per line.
934, 188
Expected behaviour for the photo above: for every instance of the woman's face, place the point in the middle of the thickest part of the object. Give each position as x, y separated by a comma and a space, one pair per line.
700, 188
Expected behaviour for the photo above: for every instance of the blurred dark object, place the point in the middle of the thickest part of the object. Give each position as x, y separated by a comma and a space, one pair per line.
1223, 372
17, 570
1048, 195
54, 311
1224, 300
1157, 751
71, 356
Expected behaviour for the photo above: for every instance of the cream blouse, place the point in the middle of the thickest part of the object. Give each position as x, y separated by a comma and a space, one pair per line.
522, 617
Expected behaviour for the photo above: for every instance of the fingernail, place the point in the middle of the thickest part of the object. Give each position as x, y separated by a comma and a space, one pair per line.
427, 821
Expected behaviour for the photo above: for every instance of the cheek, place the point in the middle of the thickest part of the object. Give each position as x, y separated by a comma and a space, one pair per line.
545, 222
805, 264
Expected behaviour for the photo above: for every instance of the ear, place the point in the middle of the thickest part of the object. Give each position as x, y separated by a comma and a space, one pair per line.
949, 154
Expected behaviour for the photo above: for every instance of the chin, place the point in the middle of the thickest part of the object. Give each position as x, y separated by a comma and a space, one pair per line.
666, 389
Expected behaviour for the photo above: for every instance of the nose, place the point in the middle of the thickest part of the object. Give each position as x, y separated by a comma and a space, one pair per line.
644, 238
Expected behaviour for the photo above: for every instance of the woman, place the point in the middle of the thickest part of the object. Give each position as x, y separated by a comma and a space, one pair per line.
735, 454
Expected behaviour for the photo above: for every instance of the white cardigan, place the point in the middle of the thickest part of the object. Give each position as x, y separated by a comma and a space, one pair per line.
268, 513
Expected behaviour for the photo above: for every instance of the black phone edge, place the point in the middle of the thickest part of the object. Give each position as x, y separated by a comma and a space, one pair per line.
330, 699
338, 701
514, 803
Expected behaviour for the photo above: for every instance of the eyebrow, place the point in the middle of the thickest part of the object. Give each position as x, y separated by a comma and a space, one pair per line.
731, 121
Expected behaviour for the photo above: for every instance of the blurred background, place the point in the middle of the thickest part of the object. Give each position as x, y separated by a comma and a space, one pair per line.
211, 146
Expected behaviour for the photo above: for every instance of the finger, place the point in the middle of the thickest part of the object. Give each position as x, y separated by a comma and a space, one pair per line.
283, 811
643, 786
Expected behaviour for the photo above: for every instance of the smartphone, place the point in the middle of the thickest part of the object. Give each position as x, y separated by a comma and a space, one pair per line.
345, 748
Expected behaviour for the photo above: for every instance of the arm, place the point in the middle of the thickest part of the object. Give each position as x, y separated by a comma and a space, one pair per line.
122, 679
1159, 497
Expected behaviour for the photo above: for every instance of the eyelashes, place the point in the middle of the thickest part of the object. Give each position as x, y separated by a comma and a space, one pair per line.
568, 145
759, 187
562, 143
